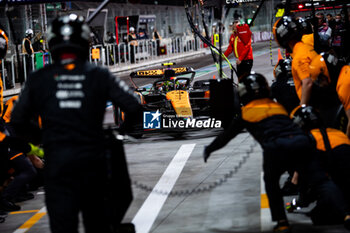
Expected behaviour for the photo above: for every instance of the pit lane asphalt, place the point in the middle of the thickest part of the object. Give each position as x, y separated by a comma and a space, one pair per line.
235, 204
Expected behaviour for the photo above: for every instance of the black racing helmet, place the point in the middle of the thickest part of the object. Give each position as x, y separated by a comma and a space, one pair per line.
287, 29
306, 117
307, 25
283, 69
69, 33
325, 68
3, 43
253, 86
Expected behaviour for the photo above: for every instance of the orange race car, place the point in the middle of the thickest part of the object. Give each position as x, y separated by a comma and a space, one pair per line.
173, 95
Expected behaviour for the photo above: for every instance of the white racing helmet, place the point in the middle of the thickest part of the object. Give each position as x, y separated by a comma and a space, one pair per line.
29, 32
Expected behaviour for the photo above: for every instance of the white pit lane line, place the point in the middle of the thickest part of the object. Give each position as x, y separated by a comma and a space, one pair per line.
150, 209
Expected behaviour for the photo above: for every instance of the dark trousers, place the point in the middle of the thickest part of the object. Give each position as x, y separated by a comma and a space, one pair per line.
82, 189
244, 68
281, 155
3, 162
29, 65
133, 50
24, 170
274, 165
88, 183
311, 174
24, 173
158, 47
339, 169
331, 203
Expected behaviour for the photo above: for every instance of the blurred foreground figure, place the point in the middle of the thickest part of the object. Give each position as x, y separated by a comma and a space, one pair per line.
70, 96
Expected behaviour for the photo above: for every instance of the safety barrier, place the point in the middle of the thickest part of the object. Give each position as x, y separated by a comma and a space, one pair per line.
109, 55
261, 36
3, 73
12, 72
113, 55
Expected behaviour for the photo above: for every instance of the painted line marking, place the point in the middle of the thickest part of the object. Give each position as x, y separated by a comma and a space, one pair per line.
266, 223
150, 209
24, 211
264, 203
30, 222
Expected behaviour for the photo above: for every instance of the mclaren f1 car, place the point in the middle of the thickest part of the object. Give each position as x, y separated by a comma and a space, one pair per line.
172, 92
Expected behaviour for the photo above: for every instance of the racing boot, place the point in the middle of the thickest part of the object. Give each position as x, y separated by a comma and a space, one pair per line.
7, 205
282, 227
126, 228
23, 197
3, 215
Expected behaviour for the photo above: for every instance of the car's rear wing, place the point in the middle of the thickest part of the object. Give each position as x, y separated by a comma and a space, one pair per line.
163, 73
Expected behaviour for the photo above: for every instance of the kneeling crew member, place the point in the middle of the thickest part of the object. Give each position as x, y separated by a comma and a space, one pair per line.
333, 149
284, 143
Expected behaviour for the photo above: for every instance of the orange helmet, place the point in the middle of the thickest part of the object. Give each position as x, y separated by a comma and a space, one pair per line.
3, 44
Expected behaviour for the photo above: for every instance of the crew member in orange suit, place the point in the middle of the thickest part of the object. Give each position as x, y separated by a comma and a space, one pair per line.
343, 90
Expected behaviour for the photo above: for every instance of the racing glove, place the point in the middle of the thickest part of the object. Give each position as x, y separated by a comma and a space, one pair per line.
206, 154
37, 151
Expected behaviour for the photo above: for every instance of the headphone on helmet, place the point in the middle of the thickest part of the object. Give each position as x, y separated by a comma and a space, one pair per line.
306, 117
283, 69
69, 33
325, 68
253, 86
287, 29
